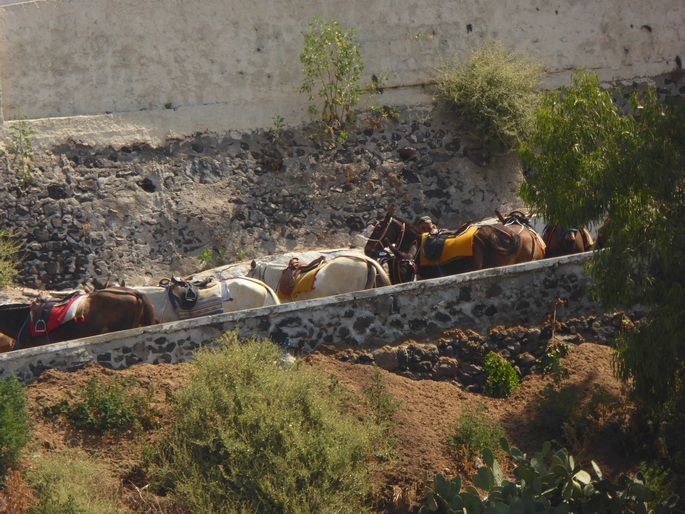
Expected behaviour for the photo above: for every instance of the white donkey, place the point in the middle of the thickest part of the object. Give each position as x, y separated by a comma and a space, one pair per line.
342, 274
229, 294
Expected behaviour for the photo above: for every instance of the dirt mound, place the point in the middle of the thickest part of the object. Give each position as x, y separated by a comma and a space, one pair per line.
425, 419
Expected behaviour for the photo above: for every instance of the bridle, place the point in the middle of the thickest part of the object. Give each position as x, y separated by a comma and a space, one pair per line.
382, 237
396, 265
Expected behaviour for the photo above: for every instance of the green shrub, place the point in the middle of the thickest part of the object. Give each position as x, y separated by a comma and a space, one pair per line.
548, 482
493, 95
659, 479
263, 436
110, 406
69, 483
213, 258
332, 67
14, 422
575, 415
381, 403
551, 360
9, 248
20, 148
476, 431
501, 377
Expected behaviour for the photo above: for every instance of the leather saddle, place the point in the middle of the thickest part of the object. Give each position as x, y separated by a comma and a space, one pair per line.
185, 292
435, 243
295, 269
43, 309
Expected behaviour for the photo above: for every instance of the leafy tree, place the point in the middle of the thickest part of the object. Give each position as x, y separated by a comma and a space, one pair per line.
588, 160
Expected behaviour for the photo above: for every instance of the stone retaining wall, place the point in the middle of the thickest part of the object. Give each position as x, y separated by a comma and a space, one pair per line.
513, 295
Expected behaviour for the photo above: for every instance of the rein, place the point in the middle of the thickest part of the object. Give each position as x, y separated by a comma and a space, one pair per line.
17, 343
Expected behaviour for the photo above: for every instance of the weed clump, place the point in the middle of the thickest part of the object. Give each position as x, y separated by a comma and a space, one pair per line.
110, 406
493, 95
476, 431
9, 248
14, 422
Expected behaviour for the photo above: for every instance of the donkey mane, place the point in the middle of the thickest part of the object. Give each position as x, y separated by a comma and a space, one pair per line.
408, 223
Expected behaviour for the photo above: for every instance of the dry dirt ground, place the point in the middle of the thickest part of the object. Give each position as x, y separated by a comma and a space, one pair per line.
425, 419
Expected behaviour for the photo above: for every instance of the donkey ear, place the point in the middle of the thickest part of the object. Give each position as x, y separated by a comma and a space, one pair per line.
253, 265
391, 211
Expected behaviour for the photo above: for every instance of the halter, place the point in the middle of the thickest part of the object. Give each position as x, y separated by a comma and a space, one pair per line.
387, 227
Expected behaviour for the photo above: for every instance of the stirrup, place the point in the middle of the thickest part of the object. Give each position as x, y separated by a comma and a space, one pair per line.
40, 326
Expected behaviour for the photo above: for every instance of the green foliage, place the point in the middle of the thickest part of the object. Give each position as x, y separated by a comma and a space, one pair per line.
501, 377
263, 436
14, 422
569, 410
70, 483
332, 68
213, 258
493, 95
9, 248
476, 431
588, 160
110, 406
551, 360
276, 133
658, 479
383, 111
381, 403
548, 482
20, 148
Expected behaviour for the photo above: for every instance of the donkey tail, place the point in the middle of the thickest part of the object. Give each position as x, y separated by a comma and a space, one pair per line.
376, 275
147, 315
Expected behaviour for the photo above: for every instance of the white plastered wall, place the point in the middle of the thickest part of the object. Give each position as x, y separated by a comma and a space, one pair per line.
150, 69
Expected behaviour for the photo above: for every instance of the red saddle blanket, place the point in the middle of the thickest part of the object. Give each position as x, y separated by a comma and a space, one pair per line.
46, 316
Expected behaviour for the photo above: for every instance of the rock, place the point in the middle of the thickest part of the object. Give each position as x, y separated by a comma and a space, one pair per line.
387, 358
526, 360
446, 367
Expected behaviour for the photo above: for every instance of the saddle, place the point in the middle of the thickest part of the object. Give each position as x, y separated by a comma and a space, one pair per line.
295, 272
435, 242
522, 220
446, 245
515, 218
46, 314
195, 298
188, 291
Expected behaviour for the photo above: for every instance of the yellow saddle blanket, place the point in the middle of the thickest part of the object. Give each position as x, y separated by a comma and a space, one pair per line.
453, 248
304, 282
